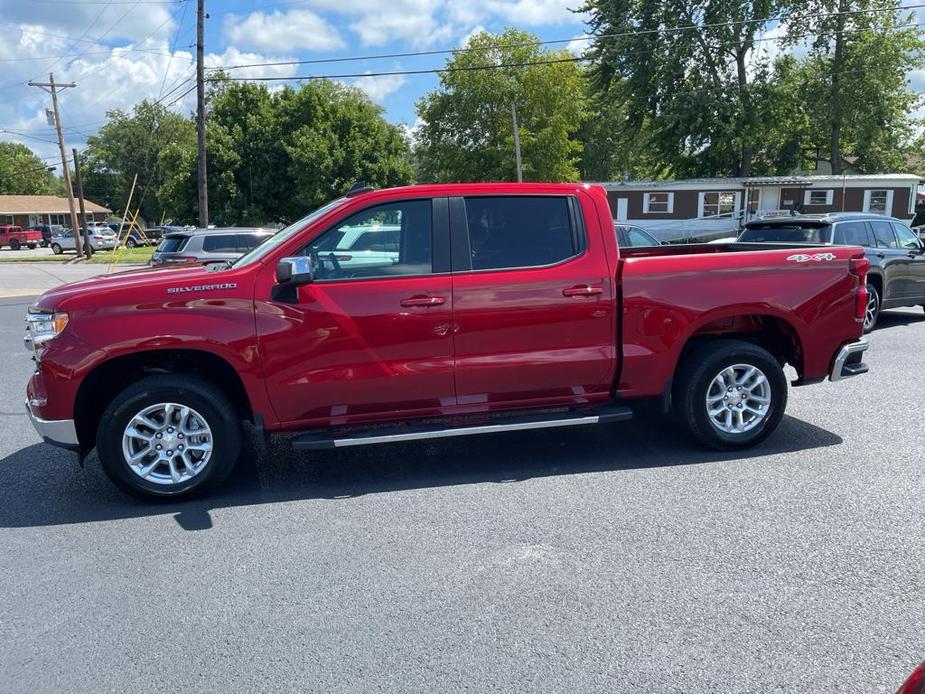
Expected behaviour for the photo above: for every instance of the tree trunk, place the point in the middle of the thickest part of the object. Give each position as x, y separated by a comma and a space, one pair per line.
748, 112
838, 60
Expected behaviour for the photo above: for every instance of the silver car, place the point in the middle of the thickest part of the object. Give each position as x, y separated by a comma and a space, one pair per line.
208, 245
101, 239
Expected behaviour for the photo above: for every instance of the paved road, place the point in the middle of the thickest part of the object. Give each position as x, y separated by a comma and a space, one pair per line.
611, 559
29, 279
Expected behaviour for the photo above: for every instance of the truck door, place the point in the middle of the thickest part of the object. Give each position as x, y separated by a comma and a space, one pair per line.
372, 333
533, 299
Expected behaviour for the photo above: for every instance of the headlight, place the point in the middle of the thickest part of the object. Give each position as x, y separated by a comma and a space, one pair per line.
42, 326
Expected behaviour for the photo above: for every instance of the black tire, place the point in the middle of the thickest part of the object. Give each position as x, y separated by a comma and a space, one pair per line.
130, 242
873, 307
31, 246
200, 395
14, 245
56, 249
693, 383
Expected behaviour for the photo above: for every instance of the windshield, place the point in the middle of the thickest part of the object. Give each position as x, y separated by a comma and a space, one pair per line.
792, 232
283, 235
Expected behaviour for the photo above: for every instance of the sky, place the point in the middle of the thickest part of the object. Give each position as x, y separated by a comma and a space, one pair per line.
121, 51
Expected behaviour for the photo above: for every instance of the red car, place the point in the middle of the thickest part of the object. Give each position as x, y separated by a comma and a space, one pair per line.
479, 308
15, 237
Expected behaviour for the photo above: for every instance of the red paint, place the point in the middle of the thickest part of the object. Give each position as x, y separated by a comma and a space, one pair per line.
352, 351
24, 237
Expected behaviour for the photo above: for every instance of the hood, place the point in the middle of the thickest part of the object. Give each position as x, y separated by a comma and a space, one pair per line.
138, 282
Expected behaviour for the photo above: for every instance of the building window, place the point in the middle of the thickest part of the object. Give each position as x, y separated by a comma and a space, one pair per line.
818, 197
878, 201
752, 199
58, 219
718, 203
655, 203
7, 219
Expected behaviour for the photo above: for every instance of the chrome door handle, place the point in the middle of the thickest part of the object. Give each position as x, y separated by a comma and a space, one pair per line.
582, 290
423, 301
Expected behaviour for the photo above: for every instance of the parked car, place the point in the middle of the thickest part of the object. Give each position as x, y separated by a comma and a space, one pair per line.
47, 231
134, 237
208, 245
629, 235
896, 254
100, 240
16, 237
511, 307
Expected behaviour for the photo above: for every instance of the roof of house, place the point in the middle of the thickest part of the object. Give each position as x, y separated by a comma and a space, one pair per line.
750, 181
42, 204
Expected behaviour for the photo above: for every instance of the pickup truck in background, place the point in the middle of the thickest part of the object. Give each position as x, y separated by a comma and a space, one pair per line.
16, 237
507, 307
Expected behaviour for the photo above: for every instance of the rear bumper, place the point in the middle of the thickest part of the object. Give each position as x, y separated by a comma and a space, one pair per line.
58, 432
848, 360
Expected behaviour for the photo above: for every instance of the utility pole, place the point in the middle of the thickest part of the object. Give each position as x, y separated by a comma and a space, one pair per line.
88, 249
52, 89
201, 118
520, 173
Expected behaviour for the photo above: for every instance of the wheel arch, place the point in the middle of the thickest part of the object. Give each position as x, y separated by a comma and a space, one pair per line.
108, 378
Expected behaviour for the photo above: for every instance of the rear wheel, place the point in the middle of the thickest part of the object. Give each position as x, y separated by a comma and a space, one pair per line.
56, 249
169, 436
730, 394
872, 313
14, 244
31, 246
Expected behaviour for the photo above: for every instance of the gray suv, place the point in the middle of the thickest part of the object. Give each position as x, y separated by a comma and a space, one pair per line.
208, 245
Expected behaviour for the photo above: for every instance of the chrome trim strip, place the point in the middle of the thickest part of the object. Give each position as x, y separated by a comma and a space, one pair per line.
846, 351
465, 431
60, 432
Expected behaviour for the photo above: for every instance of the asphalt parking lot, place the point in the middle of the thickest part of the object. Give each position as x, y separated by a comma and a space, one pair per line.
607, 559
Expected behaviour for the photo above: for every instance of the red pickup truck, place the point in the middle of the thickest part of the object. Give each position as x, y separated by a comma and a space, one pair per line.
432, 311
15, 237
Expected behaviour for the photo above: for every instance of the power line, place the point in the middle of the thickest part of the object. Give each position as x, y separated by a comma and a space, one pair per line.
524, 44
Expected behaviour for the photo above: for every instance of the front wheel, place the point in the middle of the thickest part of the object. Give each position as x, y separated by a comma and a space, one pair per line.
56, 249
730, 394
130, 243
169, 436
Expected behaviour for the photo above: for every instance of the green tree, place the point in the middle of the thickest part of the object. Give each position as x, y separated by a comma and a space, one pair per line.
273, 156
467, 132
23, 173
854, 82
130, 144
697, 91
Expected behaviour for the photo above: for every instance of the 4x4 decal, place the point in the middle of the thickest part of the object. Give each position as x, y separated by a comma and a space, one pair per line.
806, 257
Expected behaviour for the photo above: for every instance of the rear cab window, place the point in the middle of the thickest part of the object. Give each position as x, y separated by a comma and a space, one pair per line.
521, 231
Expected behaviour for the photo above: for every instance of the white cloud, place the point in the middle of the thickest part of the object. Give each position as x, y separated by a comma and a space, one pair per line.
474, 31
86, 23
380, 86
282, 31
578, 45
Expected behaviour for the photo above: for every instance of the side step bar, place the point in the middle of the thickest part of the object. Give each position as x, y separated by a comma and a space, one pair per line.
437, 430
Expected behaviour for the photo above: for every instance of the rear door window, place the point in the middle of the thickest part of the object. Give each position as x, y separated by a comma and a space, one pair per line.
853, 234
521, 231
884, 234
220, 243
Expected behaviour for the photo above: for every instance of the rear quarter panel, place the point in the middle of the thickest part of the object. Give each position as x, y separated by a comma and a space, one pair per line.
668, 298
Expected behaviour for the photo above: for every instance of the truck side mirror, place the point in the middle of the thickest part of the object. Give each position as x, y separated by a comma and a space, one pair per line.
295, 271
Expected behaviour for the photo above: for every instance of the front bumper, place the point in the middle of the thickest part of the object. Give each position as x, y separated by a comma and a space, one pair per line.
848, 360
57, 432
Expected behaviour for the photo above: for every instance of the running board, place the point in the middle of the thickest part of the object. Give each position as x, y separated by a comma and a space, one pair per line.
394, 434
